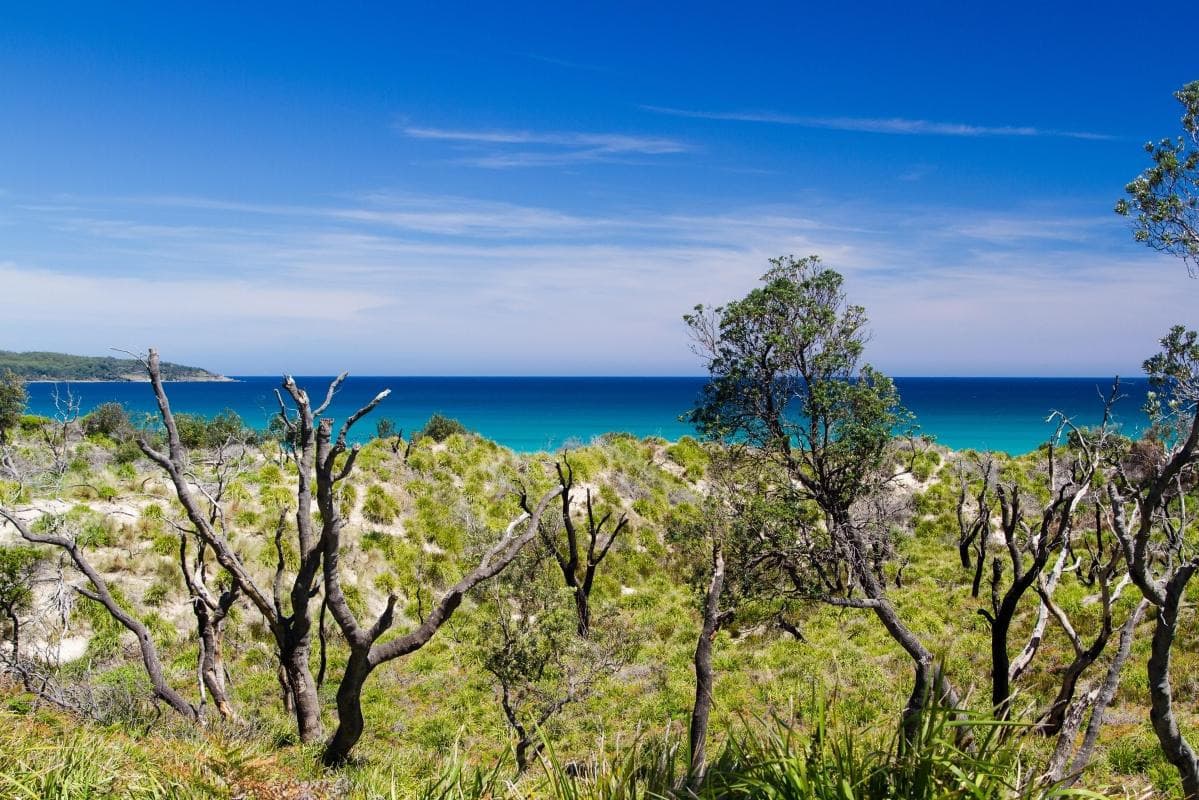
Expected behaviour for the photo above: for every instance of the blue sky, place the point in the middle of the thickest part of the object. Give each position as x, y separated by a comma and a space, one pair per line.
546, 188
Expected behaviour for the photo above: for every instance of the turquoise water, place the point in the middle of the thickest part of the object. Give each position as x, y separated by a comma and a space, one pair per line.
531, 414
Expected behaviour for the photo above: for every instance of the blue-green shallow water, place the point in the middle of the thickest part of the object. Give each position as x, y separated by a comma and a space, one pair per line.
531, 414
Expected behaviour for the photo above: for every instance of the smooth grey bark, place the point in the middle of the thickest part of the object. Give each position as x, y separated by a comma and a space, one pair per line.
101, 594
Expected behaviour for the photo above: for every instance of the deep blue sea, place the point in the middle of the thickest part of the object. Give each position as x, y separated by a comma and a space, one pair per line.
533, 414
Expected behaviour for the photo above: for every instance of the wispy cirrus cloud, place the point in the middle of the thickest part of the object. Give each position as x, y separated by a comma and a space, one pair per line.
367, 282
503, 149
887, 125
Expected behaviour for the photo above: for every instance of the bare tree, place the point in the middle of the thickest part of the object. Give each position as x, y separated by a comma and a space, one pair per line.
1152, 523
1070, 757
287, 612
578, 570
100, 593
61, 429
366, 651
974, 529
1029, 547
211, 611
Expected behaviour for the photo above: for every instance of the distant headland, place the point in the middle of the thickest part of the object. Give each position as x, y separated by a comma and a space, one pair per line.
41, 366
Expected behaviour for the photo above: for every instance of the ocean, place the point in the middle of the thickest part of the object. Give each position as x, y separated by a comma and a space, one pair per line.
536, 414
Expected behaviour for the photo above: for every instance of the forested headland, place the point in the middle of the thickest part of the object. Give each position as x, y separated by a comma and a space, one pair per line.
41, 366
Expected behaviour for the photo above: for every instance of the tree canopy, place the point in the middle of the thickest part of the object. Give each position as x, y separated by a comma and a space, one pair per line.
1164, 199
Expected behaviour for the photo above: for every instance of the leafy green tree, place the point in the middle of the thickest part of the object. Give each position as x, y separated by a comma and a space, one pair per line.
110, 419
17, 568
791, 399
13, 398
439, 428
1164, 199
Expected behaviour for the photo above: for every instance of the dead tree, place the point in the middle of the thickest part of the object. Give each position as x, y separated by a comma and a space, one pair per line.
713, 619
1104, 568
578, 571
101, 594
366, 652
1029, 547
211, 609
974, 530
58, 433
1070, 757
287, 611
211, 612
1150, 519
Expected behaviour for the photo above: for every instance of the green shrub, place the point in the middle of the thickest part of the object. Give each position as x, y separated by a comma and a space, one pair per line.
440, 427
379, 507
689, 454
108, 419
196, 431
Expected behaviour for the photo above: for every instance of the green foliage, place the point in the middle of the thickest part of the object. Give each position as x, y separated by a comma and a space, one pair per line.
784, 368
109, 419
13, 398
32, 423
1164, 199
17, 567
39, 366
841, 764
196, 431
924, 464
379, 507
439, 428
689, 455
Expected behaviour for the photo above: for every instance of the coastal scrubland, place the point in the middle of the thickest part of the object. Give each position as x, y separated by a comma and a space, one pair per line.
799, 685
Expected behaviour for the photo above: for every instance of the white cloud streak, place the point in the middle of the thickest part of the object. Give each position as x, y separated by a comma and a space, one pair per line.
473, 286
885, 125
510, 149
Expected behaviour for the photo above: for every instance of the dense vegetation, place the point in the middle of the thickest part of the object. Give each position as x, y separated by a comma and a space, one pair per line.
37, 366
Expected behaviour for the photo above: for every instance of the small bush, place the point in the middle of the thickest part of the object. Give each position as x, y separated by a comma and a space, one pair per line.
440, 427
109, 419
379, 507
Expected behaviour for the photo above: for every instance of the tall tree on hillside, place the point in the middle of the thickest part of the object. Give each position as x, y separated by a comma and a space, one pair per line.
13, 398
788, 392
1164, 199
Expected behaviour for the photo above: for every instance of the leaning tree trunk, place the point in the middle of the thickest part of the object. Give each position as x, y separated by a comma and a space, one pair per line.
366, 652
927, 678
211, 661
100, 594
1175, 746
702, 709
350, 722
